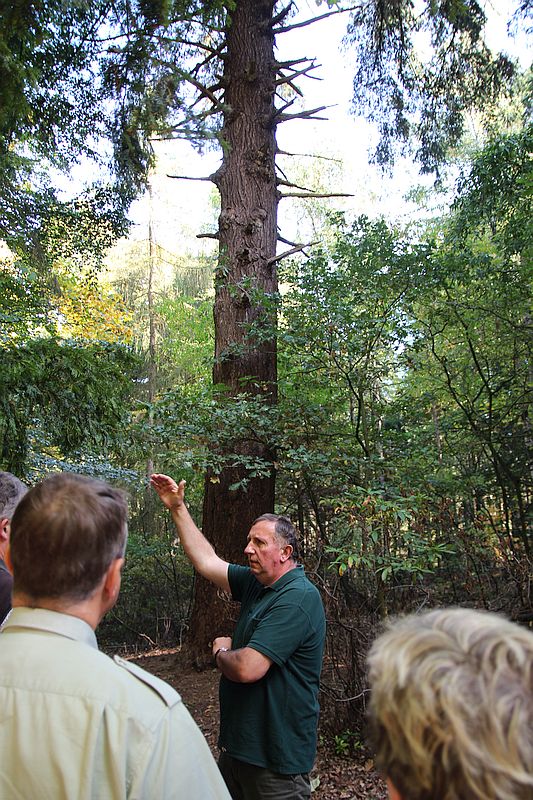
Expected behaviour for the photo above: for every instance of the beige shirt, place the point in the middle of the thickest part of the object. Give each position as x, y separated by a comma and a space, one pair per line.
76, 725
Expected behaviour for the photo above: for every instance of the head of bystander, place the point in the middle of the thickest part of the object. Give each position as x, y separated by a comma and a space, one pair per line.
452, 706
12, 490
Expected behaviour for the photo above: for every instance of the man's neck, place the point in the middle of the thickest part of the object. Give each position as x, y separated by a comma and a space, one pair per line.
284, 568
85, 609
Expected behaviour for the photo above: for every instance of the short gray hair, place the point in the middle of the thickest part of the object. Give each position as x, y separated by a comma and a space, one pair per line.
284, 530
12, 490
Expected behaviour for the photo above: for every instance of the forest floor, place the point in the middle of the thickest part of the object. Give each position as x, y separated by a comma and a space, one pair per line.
337, 777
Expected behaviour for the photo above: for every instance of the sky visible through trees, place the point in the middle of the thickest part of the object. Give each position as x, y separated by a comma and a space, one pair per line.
179, 209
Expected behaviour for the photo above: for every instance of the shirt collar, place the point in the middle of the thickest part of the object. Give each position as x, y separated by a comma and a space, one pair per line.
52, 622
289, 576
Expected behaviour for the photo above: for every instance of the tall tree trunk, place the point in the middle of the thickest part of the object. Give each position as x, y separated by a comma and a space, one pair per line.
247, 247
150, 499
152, 366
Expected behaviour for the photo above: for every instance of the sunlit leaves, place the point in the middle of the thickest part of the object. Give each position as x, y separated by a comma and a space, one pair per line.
89, 311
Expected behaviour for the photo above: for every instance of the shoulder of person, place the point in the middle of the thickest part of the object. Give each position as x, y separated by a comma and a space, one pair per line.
240, 580
4, 572
300, 581
306, 590
238, 571
166, 692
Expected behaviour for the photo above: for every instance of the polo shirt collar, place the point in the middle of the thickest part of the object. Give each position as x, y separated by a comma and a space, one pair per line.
288, 577
42, 619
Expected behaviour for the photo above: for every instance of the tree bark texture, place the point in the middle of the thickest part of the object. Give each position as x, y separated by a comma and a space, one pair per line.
247, 245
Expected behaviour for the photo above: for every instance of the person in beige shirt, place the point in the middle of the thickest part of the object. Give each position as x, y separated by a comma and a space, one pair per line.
74, 723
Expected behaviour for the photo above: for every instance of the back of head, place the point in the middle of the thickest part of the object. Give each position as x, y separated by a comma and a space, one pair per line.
65, 533
452, 706
12, 490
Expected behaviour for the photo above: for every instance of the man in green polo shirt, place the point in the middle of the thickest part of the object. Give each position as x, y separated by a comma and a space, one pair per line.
271, 666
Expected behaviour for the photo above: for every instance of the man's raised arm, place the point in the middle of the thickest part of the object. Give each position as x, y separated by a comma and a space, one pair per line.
197, 549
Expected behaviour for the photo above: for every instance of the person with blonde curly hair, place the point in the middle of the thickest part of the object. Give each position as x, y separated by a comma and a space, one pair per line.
451, 706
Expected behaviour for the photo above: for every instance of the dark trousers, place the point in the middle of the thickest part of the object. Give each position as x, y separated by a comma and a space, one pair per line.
248, 782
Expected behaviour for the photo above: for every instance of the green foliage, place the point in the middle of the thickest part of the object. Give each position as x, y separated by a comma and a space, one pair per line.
401, 432
496, 196
78, 233
156, 591
380, 534
52, 110
190, 431
346, 743
472, 347
355, 289
50, 99
93, 81
187, 339
420, 69
25, 308
57, 397
381, 336
46, 234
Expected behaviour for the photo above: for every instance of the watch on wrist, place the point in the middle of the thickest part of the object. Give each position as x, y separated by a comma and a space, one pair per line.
220, 650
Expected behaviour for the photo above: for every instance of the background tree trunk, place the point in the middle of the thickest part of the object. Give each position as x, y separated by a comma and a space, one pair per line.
247, 246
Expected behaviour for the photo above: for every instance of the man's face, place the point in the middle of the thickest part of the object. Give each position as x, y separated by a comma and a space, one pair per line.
266, 555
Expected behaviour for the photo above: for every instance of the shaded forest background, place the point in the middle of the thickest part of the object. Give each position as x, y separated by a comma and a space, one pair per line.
401, 434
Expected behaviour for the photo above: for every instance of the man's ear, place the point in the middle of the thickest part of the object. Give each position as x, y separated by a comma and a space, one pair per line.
4, 529
286, 552
112, 581
393, 791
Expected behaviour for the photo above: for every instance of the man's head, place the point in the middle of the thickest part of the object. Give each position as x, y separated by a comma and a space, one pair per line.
65, 534
272, 547
452, 706
11, 492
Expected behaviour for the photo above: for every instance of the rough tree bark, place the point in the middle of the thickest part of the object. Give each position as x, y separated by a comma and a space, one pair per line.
247, 246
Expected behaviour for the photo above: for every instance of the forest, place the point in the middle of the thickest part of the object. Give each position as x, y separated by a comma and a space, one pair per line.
373, 384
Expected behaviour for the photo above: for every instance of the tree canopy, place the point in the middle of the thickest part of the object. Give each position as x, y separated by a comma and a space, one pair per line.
391, 328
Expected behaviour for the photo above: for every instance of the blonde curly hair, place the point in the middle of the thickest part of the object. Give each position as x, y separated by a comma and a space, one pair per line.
451, 706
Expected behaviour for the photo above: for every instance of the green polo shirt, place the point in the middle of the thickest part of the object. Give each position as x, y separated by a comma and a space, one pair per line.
272, 722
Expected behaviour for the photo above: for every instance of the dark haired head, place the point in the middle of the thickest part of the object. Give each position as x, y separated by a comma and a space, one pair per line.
65, 533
